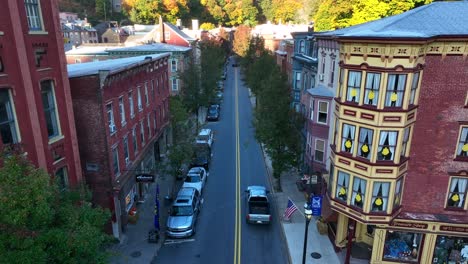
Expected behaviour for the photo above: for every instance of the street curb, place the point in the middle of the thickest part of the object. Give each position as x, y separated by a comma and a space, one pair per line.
278, 213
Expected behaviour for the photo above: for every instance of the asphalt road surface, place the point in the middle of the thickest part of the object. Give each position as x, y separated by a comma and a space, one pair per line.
223, 236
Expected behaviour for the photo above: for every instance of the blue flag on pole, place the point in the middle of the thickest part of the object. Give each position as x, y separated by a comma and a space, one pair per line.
156, 209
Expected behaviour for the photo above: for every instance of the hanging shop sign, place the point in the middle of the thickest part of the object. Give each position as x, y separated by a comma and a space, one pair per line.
409, 225
460, 229
145, 178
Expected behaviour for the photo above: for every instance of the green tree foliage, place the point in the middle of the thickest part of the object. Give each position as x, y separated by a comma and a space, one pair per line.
181, 151
148, 12
207, 26
286, 10
241, 40
335, 14
40, 224
277, 126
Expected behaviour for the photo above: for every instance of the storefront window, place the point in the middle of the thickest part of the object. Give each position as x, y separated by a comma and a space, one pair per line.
402, 246
450, 250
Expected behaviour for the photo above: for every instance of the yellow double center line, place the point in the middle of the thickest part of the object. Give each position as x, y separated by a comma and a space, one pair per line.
238, 214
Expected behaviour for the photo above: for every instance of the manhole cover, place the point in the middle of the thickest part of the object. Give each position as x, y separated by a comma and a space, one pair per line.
315, 255
136, 254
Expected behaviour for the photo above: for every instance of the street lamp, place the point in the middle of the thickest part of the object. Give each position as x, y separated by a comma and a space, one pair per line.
308, 217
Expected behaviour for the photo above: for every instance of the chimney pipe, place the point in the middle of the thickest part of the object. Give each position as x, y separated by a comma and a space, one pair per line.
162, 37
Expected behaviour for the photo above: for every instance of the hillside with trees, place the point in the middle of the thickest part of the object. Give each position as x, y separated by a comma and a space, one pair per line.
327, 14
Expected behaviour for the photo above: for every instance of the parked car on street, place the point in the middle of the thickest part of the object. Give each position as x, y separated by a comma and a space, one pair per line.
201, 156
205, 136
183, 214
258, 205
213, 113
196, 178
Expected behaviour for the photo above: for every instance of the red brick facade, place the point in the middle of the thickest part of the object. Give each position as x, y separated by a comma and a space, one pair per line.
92, 95
440, 114
32, 55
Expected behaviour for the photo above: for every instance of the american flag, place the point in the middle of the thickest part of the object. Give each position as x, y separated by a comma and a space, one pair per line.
290, 209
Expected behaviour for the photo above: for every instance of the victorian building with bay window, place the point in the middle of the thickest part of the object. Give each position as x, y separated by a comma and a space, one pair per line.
36, 112
121, 107
398, 161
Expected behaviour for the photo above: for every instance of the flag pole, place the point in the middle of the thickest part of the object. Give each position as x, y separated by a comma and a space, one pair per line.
296, 206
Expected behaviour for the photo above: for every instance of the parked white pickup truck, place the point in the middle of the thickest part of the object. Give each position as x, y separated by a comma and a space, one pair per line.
258, 205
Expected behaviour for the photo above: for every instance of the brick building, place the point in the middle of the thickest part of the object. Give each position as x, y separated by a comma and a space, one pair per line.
399, 166
122, 109
36, 107
180, 57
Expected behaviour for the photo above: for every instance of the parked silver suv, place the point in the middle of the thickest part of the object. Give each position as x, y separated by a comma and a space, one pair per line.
184, 213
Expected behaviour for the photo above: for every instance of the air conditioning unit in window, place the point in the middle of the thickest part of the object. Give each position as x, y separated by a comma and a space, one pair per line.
112, 128
321, 77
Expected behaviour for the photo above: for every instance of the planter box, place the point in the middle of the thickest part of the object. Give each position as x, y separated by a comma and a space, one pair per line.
322, 227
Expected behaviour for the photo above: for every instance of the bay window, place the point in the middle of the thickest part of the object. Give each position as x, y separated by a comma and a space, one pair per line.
365, 143
395, 90
354, 86
347, 142
371, 95
380, 192
387, 144
359, 192
342, 184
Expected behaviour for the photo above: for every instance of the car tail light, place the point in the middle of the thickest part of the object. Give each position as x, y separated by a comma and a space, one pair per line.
269, 218
248, 217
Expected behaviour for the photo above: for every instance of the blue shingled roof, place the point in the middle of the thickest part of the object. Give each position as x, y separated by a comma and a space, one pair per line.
432, 20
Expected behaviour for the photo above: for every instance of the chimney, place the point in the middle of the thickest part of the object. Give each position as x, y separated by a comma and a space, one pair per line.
194, 24
162, 37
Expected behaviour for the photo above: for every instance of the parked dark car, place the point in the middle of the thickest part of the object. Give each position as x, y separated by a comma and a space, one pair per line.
213, 113
201, 156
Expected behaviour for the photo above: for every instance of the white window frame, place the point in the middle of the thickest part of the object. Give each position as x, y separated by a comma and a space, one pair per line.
354, 85
400, 89
142, 133
115, 161
175, 86
362, 184
392, 143
301, 46
311, 107
140, 104
342, 181
460, 183
363, 133
110, 118
372, 85
134, 141
123, 122
316, 149
385, 193
351, 131
414, 87
62, 180
398, 193
322, 112
131, 104
173, 65
146, 94
51, 111
34, 15
10, 119
462, 140
126, 150
298, 78
148, 120
404, 144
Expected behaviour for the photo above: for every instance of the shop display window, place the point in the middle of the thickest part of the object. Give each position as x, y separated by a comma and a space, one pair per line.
402, 246
451, 250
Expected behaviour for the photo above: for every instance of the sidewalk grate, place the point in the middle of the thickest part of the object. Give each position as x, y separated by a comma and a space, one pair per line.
136, 254
315, 255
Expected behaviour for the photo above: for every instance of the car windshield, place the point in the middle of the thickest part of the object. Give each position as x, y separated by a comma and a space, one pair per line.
202, 138
181, 210
192, 178
213, 110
